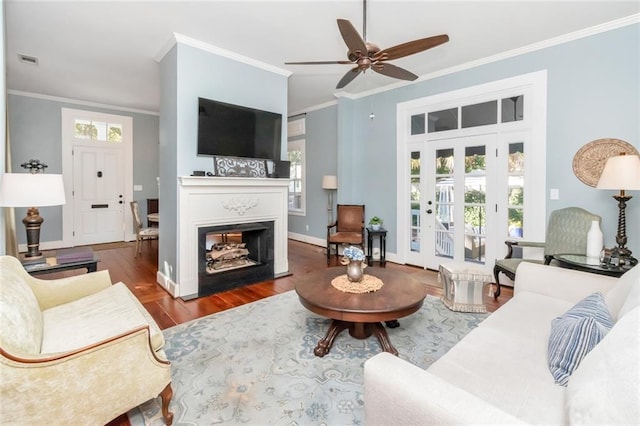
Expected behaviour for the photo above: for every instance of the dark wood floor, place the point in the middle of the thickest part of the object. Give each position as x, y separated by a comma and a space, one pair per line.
139, 274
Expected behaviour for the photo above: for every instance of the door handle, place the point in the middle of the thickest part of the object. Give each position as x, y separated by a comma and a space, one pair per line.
429, 211
99, 174
120, 202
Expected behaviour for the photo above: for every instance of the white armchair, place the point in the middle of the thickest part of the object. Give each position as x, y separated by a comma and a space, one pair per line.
76, 350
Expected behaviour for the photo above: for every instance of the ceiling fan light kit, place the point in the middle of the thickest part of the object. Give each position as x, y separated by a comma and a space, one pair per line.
365, 55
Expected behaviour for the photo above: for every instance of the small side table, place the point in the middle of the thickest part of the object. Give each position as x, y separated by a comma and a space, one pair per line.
583, 263
382, 234
51, 264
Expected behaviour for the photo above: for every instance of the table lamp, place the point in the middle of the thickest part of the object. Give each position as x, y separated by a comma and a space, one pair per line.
330, 183
621, 173
29, 190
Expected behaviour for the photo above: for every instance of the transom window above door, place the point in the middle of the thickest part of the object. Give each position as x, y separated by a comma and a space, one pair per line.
97, 130
468, 116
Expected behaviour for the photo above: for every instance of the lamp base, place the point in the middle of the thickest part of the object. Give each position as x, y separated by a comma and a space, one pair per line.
32, 223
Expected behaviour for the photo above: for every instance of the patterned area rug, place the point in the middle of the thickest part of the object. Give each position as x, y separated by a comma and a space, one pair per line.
254, 364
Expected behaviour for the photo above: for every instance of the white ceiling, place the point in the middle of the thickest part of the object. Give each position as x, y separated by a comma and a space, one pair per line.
104, 52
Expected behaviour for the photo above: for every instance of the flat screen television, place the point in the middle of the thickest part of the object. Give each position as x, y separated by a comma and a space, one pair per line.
238, 131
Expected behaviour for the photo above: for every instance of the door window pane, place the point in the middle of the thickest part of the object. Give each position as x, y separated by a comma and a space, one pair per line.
444, 203
512, 109
515, 190
114, 133
415, 202
444, 161
475, 195
480, 114
417, 124
439, 121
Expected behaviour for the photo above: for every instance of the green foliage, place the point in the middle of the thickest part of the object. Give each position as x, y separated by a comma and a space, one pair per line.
375, 221
474, 215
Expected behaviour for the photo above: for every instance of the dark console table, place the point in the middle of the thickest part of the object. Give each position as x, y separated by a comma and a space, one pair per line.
51, 264
382, 235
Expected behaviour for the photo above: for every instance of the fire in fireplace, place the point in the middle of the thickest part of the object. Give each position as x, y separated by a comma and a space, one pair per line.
231, 256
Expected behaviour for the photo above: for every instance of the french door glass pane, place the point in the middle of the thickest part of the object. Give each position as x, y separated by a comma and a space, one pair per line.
444, 204
512, 109
516, 190
475, 194
415, 201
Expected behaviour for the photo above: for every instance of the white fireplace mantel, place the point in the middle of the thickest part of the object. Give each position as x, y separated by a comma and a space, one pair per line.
215, 201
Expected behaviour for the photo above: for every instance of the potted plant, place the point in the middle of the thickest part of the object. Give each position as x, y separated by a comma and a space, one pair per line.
375, 223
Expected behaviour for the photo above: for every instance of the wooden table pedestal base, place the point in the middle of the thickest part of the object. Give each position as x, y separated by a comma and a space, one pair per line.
358, 330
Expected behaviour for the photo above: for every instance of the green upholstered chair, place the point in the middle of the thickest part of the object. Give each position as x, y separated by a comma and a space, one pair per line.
566, 234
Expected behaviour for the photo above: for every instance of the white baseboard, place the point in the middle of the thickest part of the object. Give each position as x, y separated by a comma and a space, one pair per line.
166, 283
320, 242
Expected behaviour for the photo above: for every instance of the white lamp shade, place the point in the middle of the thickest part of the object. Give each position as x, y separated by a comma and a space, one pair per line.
31, 190
621, 172
329, 182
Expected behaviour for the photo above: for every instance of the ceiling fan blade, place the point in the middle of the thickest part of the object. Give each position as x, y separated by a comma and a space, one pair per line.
393, 71
411, 47
319, 63
351, 37
348, 77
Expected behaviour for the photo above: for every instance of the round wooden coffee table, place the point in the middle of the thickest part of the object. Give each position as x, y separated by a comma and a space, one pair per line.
362, 314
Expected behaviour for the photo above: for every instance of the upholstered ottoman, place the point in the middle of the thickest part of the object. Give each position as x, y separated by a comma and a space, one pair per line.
464, 286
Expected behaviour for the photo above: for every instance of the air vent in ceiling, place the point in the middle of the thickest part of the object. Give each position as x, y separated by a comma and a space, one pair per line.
28, 59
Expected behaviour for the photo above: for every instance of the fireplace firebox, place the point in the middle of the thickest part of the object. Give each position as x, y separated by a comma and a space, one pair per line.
232, 256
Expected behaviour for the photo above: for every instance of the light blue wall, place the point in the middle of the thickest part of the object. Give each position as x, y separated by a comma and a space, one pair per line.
593, 93
167, 247
186, 74
321, 159
36, 132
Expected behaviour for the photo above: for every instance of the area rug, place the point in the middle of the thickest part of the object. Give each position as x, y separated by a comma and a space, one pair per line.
254, 364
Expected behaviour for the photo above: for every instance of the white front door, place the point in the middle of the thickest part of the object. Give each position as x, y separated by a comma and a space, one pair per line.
97, 167
99, 195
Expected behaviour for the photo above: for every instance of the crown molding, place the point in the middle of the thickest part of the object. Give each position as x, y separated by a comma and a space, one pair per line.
80, 102
188, 41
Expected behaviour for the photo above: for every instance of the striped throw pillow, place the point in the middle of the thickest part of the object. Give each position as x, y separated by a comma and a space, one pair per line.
575, 333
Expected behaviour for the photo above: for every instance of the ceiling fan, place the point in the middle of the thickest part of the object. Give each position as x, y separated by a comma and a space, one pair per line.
365, 55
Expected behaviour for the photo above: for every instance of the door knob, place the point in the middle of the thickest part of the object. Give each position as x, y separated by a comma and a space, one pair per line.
429, 211
99, 174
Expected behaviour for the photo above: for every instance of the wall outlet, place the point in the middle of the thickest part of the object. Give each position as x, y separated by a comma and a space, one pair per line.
306, 227
554, 194
137, 187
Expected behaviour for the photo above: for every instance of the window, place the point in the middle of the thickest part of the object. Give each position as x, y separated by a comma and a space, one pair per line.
98, 131
295, 150
296, 156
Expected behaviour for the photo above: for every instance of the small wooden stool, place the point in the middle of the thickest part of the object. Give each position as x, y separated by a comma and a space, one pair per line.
464, 286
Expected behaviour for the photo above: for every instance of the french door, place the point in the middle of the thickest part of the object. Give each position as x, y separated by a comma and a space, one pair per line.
451, 187
471, 172
460, 183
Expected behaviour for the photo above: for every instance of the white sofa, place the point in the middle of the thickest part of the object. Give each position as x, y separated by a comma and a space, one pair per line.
498, 373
